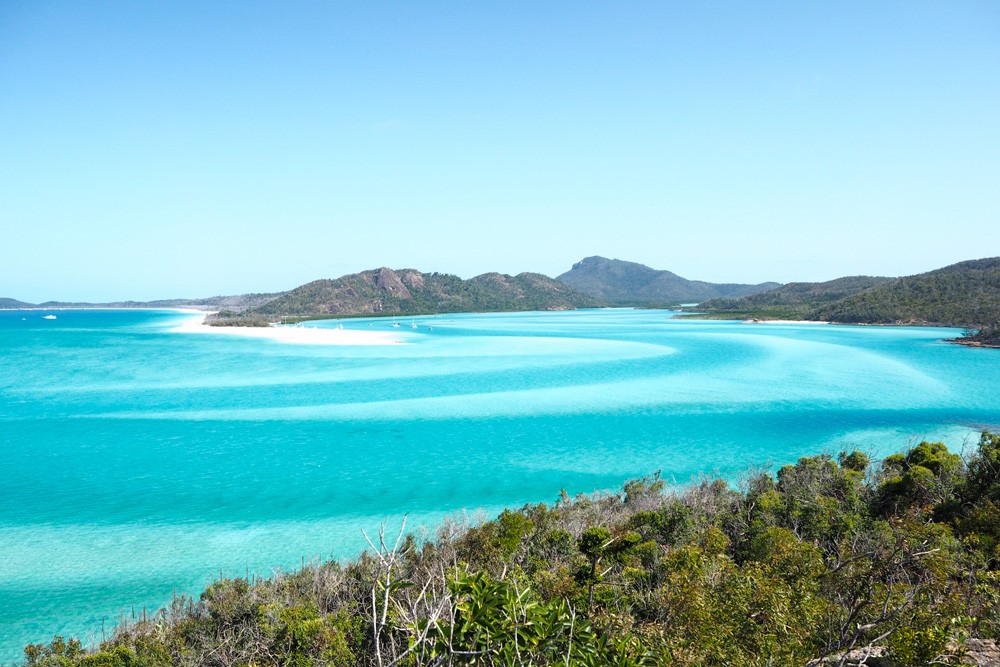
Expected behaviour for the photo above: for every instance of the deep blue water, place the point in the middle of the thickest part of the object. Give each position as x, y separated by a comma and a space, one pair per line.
138, 461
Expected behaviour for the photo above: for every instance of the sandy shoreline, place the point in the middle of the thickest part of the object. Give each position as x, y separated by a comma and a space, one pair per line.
784, 322
297, 335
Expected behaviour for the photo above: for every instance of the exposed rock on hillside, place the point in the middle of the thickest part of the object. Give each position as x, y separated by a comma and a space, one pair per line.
410, 292
386, 279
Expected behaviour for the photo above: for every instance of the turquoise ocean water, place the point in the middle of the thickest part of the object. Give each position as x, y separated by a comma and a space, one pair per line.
136, 461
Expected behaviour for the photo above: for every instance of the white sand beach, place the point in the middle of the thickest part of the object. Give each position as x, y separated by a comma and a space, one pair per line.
298, 335
784, 322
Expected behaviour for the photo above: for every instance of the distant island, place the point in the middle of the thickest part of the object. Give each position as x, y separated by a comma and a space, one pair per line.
237, 301
964, 295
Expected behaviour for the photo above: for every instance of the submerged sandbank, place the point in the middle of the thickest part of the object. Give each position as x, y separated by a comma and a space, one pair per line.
295, 334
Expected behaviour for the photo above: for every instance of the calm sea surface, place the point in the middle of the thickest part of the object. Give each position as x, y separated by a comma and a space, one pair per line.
136, 461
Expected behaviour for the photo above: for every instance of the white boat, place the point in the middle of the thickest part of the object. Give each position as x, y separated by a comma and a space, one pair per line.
48, 317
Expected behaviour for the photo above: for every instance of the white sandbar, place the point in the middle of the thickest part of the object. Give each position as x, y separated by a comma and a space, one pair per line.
298, 335
784, 322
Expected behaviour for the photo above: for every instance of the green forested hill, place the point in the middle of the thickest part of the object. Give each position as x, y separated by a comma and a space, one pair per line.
963, 294
410, 292
629, 283
794, 300
966, 294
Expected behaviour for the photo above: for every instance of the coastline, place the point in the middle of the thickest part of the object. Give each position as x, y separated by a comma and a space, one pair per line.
295, 335
971, 342
756, 321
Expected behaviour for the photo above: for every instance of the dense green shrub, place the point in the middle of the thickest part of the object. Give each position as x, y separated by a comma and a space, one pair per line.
829, 554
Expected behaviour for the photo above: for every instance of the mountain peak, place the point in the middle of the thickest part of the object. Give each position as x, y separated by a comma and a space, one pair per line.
622, 282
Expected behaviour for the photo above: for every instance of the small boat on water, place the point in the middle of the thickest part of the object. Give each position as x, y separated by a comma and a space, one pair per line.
48, 317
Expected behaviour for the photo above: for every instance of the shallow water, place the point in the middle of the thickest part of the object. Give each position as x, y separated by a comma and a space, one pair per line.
137, 461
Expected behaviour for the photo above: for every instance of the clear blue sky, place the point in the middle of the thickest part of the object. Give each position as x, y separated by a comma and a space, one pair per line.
162, 149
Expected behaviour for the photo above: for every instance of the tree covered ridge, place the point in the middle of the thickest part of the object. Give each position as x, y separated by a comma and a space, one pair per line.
829, 554
794, 300
628, 283
410, 292
963, 294
966, 294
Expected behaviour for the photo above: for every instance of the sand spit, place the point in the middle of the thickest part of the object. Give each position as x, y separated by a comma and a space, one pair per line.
755, 321
295, 334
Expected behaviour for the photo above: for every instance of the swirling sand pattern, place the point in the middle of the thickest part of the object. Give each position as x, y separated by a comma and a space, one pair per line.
139, 460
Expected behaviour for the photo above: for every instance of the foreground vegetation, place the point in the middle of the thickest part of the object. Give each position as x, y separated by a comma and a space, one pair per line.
831, 554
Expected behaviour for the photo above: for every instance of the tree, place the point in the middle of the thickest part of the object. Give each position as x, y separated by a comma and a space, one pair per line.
597, 544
